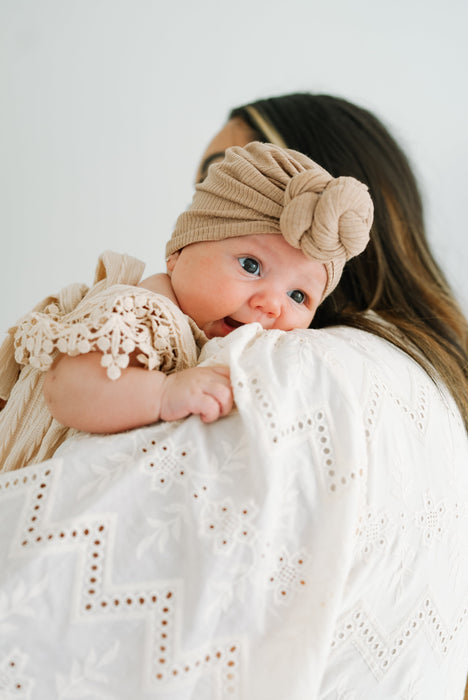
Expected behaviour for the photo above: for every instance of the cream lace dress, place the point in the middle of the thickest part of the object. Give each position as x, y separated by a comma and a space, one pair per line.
113, 316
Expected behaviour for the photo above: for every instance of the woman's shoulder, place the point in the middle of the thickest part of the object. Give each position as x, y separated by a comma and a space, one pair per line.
336, 366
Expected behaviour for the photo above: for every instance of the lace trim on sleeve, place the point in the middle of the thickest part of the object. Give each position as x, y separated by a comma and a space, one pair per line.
118, 321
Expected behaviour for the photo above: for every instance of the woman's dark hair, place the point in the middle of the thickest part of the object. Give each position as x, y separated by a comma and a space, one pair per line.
396, 276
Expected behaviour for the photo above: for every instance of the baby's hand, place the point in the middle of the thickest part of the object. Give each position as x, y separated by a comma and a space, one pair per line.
204, 391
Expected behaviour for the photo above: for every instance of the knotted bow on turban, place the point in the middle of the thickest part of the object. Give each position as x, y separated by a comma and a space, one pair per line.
263, 188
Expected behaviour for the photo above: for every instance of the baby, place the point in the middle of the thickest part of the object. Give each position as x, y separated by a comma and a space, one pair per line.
265, 240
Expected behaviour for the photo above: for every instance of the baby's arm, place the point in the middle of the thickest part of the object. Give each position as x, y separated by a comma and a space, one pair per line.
79, 394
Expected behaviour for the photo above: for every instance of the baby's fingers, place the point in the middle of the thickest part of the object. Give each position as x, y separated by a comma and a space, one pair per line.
210, 409
216, 401
222, 394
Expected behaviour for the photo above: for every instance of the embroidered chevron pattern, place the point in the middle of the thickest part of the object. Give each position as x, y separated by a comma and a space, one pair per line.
415, 411
96, 596
381, 650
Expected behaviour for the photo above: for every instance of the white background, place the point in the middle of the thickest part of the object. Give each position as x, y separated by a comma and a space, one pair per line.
106, 106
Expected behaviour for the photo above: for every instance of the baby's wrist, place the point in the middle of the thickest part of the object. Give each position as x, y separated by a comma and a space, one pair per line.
162, 394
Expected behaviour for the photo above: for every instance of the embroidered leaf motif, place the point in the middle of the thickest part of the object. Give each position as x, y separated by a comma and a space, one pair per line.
343, 690
104, 475
85, 678
235, 588
109, 655
19, 604
163, 530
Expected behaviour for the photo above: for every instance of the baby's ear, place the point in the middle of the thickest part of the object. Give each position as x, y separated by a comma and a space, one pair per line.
171, 261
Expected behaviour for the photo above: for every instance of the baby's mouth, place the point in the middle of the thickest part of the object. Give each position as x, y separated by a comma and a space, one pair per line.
232, 323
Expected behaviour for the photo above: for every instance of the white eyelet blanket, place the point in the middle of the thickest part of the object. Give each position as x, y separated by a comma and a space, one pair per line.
311, 545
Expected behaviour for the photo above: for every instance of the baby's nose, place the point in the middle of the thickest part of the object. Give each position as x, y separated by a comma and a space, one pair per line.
268, 302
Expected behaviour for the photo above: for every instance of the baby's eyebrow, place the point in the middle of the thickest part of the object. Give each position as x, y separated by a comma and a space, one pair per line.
208, 160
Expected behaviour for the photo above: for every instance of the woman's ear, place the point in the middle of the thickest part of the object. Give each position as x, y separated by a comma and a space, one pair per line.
171, 262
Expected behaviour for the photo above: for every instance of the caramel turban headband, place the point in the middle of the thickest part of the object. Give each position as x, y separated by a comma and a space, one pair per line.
263, 188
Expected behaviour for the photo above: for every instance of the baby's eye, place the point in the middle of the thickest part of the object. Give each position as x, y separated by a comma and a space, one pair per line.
250, 265
297, 296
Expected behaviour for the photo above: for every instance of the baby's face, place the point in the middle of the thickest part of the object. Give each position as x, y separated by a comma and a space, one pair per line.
256, 278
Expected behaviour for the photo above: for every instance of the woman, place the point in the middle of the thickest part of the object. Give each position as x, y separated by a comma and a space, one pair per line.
396, 276
312, 543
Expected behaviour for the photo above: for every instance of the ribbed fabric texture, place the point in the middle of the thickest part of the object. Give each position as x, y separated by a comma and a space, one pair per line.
263, 188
